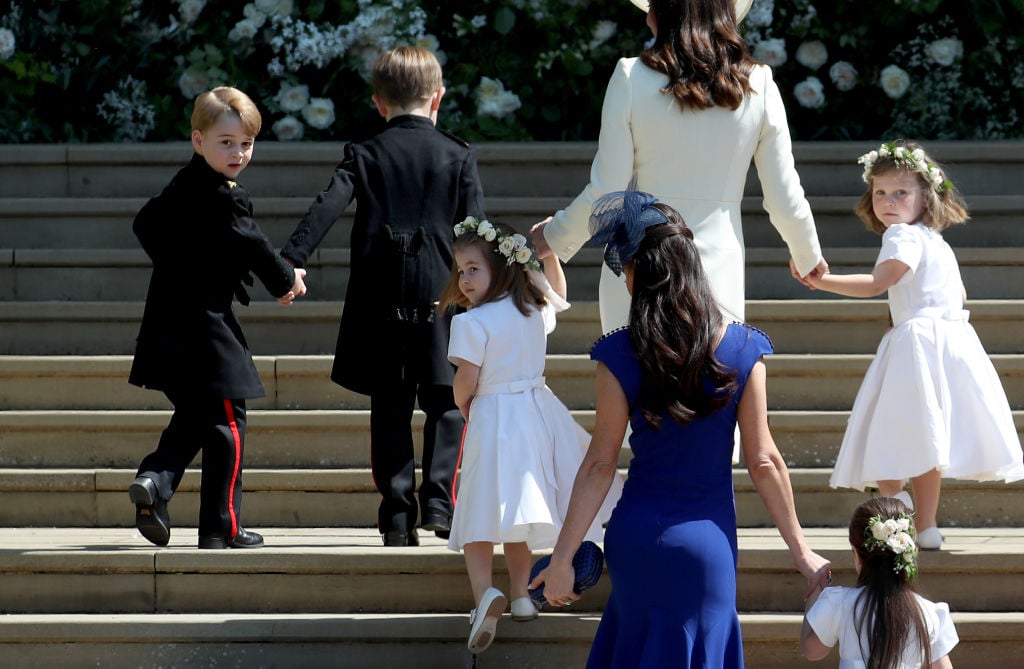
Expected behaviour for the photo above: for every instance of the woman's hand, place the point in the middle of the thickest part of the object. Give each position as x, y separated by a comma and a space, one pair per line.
817, 272
816, 569
558, 580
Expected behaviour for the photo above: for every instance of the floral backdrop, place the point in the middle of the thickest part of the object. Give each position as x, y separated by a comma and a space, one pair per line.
127, 70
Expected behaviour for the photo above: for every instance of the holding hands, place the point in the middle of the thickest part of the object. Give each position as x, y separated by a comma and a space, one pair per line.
298, 288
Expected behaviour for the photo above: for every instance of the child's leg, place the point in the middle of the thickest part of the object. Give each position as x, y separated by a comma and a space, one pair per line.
392, 460
479, 564
889, 488
442, 440
927, 487
519, 561
220, 492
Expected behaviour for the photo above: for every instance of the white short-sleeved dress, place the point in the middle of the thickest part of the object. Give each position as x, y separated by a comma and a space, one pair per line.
931, 398
522, 447
832, 619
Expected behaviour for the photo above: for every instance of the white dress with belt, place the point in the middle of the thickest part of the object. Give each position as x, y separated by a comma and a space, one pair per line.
522, 447
697, 162
931, 398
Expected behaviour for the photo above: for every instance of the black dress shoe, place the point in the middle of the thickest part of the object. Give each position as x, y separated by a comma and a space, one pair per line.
437, 521
151, 517
401, 538
244, 539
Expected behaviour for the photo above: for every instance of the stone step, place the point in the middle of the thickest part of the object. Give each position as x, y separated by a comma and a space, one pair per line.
411, 641
333, 571
106, 222
822, 382
310, 327
123, 274
314, 439
323, 497
559, 169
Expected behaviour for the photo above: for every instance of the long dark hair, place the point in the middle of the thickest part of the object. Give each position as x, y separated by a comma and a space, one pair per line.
674, 324
886, 614
700, 49
506, 277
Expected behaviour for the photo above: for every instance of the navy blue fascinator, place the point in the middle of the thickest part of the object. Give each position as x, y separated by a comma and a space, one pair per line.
619, 221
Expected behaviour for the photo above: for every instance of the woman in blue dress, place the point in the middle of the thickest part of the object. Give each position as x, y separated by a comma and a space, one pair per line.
682, 380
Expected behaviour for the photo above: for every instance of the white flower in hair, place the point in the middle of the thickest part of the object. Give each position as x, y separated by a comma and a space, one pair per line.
507, 246
513, 247
900, 542
523, 255
519, 241
893, 535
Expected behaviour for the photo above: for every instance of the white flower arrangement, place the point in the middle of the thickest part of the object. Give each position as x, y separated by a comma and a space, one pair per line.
945, 51
893, 535
771, 52
293, 97
895, 81
513, 246
319, 113
914, 161
493, 100
812, 54
810, 93
288, 129
843, 74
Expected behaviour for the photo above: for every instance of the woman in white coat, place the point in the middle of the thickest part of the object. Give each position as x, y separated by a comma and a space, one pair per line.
684, 120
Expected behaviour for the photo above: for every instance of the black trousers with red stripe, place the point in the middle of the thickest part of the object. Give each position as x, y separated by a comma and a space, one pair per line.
216, 427
392, 459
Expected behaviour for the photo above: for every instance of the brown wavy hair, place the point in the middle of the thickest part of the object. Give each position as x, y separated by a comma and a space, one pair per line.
941, 209
505, 277
700, 49
674, 322
886, 612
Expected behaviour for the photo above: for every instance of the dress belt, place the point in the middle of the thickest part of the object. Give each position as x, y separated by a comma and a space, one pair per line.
520, 386
941, 313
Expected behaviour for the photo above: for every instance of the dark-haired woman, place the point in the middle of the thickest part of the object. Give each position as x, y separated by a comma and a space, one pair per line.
682, 379
686, 119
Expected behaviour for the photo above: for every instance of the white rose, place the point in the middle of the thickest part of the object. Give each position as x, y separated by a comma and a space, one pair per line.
878, 531
810, 93
293, 98
894, 81
843, 75
771, 52
192, 82
245, 29
253, 14
288, 129
470, 220
603, 31
523, 255
900, 542
490, 235
189, 10
945, 51
903, 524
8, 45
812, 54
493, 100
891, 527
506, 246
483, 227
519, 241
319, 113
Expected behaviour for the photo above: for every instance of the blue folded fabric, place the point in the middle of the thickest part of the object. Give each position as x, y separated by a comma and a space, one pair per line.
588, 563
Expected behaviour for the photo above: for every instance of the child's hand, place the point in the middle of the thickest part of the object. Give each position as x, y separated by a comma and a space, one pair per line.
298, 288
540, 244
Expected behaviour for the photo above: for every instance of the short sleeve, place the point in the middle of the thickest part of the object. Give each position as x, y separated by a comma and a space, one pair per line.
825, 617
615, 351
944, 637
467, 341
904, 243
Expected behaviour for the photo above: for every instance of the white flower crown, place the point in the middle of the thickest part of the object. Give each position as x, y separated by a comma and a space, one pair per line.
513, 246
893, 534
904, 158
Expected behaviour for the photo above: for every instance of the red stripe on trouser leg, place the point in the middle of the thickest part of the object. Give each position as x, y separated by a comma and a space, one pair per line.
237, 439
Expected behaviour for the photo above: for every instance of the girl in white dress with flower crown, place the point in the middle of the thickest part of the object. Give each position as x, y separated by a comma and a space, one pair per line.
521, 448
931, 404
880, 623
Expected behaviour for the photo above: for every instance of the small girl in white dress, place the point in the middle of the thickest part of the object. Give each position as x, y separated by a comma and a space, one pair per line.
521, 448
931, 404
881, 623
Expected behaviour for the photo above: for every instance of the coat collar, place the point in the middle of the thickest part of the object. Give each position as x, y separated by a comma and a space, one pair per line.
410, 121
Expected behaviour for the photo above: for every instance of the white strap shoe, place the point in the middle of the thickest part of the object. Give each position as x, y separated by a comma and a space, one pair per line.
484, 619
523, 609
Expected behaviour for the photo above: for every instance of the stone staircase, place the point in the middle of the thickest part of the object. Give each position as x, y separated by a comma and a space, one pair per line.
79, 587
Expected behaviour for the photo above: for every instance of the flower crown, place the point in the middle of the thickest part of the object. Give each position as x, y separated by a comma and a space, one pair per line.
893, 535
513, 246
904, 158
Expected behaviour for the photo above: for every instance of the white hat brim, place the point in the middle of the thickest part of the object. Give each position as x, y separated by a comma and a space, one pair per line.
742, 7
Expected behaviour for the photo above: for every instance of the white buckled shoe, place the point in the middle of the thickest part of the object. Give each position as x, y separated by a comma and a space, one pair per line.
484, 619
930, 539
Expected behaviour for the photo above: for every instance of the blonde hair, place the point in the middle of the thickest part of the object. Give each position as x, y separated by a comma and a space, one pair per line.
211, 105
943, 204
406, 74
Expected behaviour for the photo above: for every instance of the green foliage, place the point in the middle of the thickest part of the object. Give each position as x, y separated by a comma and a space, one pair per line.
127, 70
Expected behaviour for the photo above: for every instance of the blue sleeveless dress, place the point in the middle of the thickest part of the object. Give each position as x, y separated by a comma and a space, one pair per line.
670, 545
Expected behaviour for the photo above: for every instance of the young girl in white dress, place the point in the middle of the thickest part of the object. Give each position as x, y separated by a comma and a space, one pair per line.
881, 623
931, 404
521, 448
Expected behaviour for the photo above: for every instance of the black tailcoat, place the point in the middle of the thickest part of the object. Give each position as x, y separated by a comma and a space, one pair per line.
201, 236
412, 183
